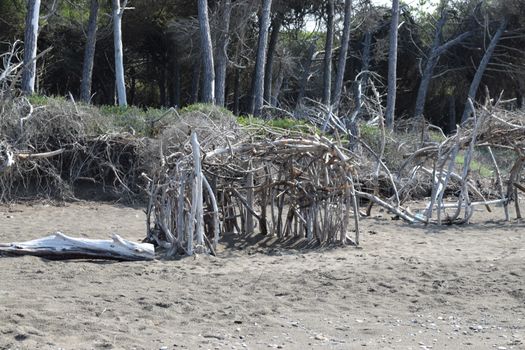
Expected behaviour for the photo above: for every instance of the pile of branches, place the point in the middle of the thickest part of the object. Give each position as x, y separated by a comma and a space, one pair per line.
50, 150
296, 185
290, 185
489, 128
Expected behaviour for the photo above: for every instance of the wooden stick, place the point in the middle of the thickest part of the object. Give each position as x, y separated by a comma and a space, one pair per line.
216, 223
26, 156
520, 187
389, 207
500, 183
249, 200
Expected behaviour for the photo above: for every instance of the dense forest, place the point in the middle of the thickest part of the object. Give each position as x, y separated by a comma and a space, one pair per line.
280, 57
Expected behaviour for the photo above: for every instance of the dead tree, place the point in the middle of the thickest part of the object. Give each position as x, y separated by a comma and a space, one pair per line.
260, 63
89, 53
481, 68
30, 46
208, 83
392, 67
118, 12
343, 54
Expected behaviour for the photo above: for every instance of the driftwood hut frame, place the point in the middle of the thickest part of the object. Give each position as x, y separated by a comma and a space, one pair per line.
288, 187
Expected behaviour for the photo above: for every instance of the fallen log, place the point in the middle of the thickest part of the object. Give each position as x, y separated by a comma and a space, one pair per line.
60, 246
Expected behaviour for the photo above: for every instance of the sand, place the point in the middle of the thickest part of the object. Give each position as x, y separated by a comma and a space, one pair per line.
406, 287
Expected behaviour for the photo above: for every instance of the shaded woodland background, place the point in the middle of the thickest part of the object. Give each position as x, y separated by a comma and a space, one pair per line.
163, 61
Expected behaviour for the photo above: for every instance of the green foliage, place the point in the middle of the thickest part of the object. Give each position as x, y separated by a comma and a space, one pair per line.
281, 123
477, 166
145, 122
42, 100
212, 111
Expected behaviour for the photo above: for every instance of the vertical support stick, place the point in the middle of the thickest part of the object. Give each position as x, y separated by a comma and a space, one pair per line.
249, 199
500, 184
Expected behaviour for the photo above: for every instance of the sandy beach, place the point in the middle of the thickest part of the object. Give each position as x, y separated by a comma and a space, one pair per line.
406, 287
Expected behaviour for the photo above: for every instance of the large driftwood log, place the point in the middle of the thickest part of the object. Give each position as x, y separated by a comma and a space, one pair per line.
60, 246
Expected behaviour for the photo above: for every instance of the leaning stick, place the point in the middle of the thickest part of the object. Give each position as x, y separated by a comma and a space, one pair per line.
520, 187
245, 203
249, 200
500, 183
216, 227
468, 157
391, 208
25, 156
355, 206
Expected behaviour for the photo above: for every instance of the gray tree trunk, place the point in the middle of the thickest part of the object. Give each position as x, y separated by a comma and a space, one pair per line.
173, 72
118, 12
519, 94
363, 75
451, 114
327, 64
195, 82
260, 63
435, 52
306, 74
343, 54
222, 54
272, 47
392, 67
89, 53
277, 89
481, 69
237, 91
30, 46
208, 86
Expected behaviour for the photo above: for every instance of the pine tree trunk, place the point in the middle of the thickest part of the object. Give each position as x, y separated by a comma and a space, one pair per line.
237, 92
433, 58
208, 87
278, 86
306, 74
174, 73
118, 11
195, 82
327, 70
222, 54
30, 46
481, 69
451, 114
343, 54
272, 47
260, 63
89, 53
363, 76
162, 85
429, 68
392, 67
519, 94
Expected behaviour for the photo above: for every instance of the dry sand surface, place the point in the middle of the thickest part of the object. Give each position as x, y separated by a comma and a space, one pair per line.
407, 287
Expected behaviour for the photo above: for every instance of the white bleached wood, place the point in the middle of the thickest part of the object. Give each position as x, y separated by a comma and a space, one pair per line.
30, 46
216, 222
118, 12
196, 230
59, 245
500, 184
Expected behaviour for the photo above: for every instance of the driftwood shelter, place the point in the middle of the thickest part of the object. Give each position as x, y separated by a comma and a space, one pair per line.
283, 186
207, 177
